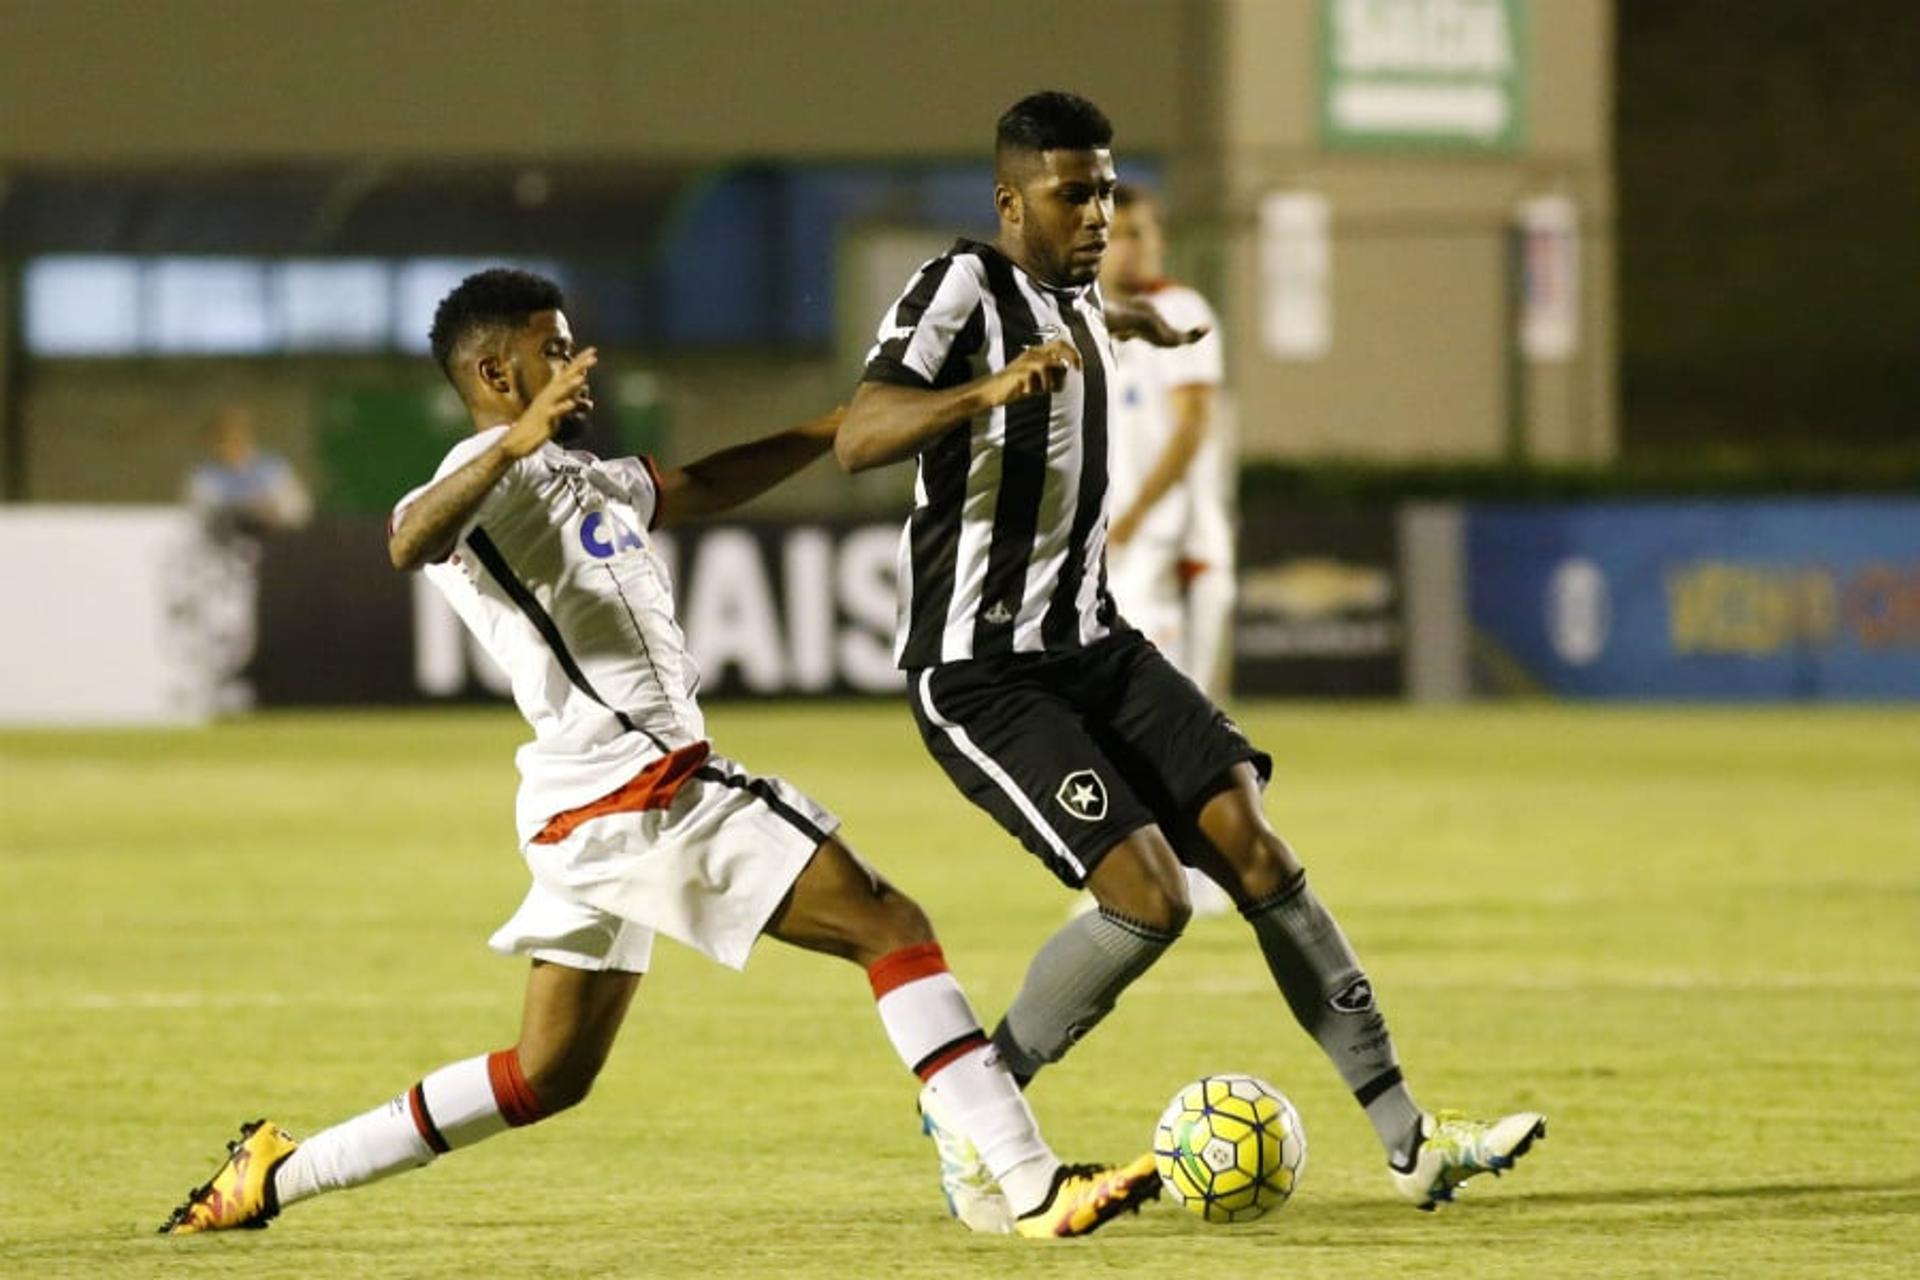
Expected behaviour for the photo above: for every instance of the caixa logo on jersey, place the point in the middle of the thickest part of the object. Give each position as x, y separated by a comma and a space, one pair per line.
605, 535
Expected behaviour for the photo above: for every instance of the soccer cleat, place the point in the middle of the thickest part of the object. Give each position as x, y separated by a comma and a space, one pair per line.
1087, 1196
972, 1194
1454, 1148
240, 1192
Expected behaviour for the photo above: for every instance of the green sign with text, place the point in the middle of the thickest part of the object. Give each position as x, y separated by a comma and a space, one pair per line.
1423, 73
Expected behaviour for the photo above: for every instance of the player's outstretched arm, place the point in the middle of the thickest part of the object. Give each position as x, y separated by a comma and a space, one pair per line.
1133, 318
427, 528
723, 480
887, 423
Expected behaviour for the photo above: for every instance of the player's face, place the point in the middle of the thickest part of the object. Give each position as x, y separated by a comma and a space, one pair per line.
1065, 212
540, 353
233, 437
1135, 250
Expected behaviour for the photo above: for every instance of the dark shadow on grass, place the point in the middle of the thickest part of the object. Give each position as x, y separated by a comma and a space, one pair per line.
1897, 1189
1685, 1206
1327, 1222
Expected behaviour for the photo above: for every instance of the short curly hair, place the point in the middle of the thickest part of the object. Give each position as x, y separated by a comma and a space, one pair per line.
1053, 121
499, 297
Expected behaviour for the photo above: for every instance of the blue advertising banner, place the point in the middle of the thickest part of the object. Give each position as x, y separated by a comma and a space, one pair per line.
1733, 600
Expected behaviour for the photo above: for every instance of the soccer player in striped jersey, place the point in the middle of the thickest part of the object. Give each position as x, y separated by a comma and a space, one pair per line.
994, 372
629, 821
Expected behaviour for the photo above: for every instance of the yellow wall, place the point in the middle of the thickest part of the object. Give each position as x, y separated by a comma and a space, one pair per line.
1223, 91
146, 81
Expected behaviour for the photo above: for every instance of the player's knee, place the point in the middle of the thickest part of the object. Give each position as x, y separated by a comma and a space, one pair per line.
1141, 880
1161, 906
1166, 912
1173, 912
1256, 855
1264, 864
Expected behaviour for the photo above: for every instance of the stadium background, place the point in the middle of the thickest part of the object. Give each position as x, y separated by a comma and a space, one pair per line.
1571, 346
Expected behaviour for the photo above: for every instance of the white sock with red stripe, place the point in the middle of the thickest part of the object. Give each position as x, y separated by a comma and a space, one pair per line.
454, 1107
934, 1031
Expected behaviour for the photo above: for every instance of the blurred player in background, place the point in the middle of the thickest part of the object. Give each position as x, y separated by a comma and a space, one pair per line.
242, 494
1045, 708
241, 488
629, 821
1170, 547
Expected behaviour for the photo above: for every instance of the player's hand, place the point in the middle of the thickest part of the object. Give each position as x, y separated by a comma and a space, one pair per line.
1136, 319
566, 394
1037, 371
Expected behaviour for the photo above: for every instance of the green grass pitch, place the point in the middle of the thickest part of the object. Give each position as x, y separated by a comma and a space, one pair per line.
1690, 936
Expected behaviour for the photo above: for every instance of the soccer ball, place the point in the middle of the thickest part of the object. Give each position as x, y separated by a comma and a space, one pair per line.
1230, 1147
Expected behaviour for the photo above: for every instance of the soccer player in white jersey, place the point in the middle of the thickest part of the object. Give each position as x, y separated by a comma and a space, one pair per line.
631, 824
1171, 540
1039, 700
1170, 546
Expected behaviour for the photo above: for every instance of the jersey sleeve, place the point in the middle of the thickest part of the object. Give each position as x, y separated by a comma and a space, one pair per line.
1197, 362
459, 456
918, 332
640, 477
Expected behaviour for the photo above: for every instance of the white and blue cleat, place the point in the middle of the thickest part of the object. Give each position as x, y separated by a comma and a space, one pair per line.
972, 1194
1454, 1148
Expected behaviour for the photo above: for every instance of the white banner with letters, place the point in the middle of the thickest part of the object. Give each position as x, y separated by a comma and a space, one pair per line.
117, 616
768, 610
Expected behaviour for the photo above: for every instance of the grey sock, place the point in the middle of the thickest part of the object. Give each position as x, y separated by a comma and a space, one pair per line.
1071, 985
1331, 997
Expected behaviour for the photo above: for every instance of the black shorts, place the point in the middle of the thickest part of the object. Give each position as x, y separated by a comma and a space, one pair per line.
1074, 752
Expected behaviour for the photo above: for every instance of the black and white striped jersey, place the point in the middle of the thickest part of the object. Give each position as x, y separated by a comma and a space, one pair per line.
1005, 551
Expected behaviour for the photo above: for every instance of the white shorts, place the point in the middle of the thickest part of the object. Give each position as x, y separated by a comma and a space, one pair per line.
708, 871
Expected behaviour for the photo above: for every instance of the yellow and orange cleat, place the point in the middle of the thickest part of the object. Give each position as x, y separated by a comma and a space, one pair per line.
240, 1193
1086, 1197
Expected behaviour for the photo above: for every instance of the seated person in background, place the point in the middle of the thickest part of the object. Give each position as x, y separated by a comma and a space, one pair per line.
241, 488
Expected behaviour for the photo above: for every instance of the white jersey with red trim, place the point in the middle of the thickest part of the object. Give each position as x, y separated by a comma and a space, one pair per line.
556, 576
1145, 377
